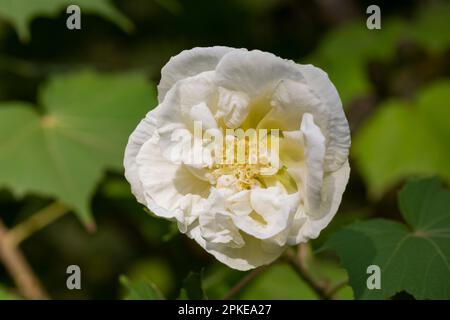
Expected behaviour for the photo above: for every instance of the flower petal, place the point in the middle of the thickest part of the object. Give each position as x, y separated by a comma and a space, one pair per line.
215, 221
252, 254
314, 157
189, 63
305, 227
184, 95
339, 144
272, 213
254, 72
292, 99
303, 153
166, 185
185, 110
233, 107
219, 229
286, 113
146, 130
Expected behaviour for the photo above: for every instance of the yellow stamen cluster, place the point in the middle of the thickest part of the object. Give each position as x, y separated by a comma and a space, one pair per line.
246, 174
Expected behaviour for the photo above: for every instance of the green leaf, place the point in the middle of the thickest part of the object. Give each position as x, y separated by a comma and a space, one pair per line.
173, 6
192, 287
402, 140
155, 270
354, 43
413, 258
345, 52
281, 282
427, 30
6, 294
140, 290
82, 132
20, 13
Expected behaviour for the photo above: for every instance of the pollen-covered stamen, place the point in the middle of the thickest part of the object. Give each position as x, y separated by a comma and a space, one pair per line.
242, 176
246, 169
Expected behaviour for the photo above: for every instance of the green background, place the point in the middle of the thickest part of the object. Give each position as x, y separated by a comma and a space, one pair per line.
70, 98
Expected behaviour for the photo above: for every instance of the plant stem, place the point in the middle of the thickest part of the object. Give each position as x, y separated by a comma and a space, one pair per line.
297, 262
18, 267
243, 282
332, 291
37, 221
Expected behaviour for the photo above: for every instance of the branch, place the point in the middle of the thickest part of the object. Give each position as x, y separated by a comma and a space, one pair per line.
18, 267
244, 281
37, 221
332, 291
298, 264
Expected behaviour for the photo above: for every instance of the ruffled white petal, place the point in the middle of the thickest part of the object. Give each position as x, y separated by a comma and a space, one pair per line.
303, 153
188, 103
189, 63
286, 113
305, 227
254, 72
292, 99
253, 254
146, 130
184, 95
314, 157
218, 228
168, 187
272, 212
339, 144
215, 221
233, 107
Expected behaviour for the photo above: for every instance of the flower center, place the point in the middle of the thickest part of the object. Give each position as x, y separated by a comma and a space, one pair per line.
242, 176
246, 169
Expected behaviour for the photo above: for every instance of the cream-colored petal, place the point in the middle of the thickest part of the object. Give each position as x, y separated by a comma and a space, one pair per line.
184, 117
189, 63
339, 144
240, 203
215, 221
254, 72
303, 154
146, 130
233, 107
219, 229
292, 155
189, 209
252, 254
293, 99
314, 157
201, 114
185, 95
272, 210
305, 226
286, 113
165, 184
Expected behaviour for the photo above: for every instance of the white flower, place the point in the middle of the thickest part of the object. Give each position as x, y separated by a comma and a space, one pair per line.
235, 212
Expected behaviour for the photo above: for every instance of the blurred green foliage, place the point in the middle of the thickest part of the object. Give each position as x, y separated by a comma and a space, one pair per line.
414, 258
193, 287
70, 99
20, 13
82, 130
6, 294
140, 290
412, 137
346, 52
